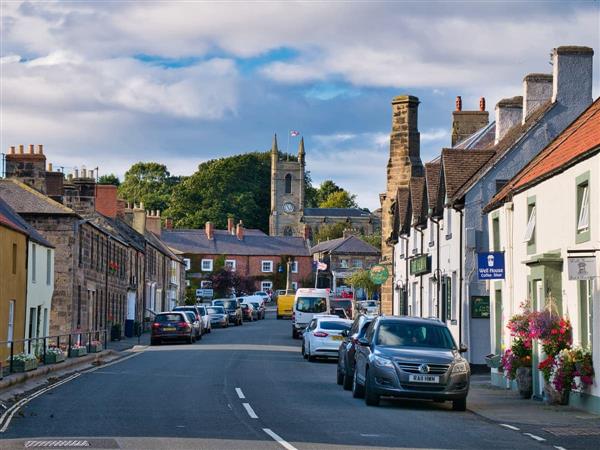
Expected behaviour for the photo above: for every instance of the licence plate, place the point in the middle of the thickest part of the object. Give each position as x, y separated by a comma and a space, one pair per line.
169, 329
424, 378
337, 338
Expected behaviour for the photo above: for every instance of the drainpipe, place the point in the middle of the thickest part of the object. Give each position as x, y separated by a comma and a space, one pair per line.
460, 277
405, 291
420, 277
393, 277
439, 282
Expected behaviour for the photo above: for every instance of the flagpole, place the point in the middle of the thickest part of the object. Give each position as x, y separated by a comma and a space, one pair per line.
317, 275
287, 150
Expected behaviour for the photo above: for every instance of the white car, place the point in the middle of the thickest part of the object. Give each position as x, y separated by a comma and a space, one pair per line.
370, 307
263, 295
206, 327
323, 336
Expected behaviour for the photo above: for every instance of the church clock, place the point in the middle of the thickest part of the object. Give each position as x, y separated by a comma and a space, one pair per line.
289, 207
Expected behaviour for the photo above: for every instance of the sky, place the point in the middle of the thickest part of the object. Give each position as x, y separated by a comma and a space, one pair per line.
108, 83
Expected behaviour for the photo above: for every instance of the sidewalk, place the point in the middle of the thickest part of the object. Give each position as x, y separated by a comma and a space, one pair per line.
127, 343
506, 407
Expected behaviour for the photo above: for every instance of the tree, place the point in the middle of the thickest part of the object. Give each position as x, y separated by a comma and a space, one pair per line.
339, 199
310, 192
149, 183
326, 188
236, 186
373, 239
327, 232
361, 279
110, 178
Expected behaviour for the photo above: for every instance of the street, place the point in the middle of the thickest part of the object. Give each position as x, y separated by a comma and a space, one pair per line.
242, 387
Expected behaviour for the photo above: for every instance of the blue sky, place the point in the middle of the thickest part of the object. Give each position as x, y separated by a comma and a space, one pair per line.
111, 83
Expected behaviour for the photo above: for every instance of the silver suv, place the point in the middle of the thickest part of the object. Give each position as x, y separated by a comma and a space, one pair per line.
413, 358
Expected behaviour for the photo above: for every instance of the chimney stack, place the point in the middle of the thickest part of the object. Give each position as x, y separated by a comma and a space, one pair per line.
306, 232
106, 200
40, 149
239, 232
209, 228
139, 218
169, 223
31, 152
572, 76
465, 123
29, 168
230, 225
537, 90
21, 149
153, 222
509, 112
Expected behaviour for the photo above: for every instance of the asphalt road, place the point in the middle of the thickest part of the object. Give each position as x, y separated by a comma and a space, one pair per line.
189, 396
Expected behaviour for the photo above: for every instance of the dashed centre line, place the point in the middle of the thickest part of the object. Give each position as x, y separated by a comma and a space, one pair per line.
510, 427
250, 411
239, 393
533, 436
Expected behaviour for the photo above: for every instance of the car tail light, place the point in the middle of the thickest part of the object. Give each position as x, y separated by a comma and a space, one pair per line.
197, 317
320, 334
184, 325
156, 325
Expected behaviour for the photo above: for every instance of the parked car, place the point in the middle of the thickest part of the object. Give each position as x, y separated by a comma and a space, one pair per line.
370, 307
347, 350
263, 295
343, 303
196, 325
307, 303
248, 312
341, 313
232, 306
206, 328
323, 336
257, 303
171, 326
196, 311
260, 310
218, 316
410, 357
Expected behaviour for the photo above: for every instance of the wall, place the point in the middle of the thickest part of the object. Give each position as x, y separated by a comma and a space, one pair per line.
39, 293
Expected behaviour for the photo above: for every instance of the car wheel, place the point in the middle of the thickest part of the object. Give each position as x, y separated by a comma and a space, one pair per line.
311, 358
459, 405
358, 391
371, 398
153, 341
340, 377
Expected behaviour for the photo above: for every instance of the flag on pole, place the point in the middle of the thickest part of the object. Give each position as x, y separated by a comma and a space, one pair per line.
294, 133
321, 266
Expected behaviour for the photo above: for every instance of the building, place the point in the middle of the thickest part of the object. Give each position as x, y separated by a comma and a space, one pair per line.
288, 213
249, 253
343, 257
546, 220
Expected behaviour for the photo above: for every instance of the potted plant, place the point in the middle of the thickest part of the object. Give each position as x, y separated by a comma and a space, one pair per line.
77, 350
24, 362
115, 332
54, 355
516, 361
571, 370
95, 346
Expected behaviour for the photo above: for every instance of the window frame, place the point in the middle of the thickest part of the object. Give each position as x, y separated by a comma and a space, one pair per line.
33, 263
262, 266
48, 267
531, 211
187, 262
582, 186
294, 267
265, 285
209, 261
233, 267
10, 326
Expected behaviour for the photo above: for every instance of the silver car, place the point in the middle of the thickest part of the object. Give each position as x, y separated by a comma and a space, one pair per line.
413, 358
218, 316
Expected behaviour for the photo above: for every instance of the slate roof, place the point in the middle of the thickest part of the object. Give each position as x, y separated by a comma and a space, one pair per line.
578, 140
460, 166
129, 234
336, 212
402, 211
482, 139
223, 243
26, 200
418, 200
9, 218
432, 180
162, 245
348, 245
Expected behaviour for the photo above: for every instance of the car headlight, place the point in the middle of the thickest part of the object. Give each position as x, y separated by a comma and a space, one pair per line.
382, 362
460, 367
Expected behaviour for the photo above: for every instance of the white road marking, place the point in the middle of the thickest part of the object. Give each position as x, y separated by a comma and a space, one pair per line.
240, 393
533, 436
510, 427
250, 411
279, 439
558, 447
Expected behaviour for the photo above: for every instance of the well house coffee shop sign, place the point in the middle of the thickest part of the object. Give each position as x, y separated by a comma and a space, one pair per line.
490, 266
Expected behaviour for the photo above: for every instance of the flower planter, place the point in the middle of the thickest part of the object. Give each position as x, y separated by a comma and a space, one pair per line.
95, 348
524, 382
24, 366
553, 397
53, 358
77, 352
493, 361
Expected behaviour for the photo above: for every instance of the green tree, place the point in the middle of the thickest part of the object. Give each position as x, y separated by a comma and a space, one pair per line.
362, 279
150, 183
326, 188
339, 199
310, 192
327, 232
110, 178
373, 239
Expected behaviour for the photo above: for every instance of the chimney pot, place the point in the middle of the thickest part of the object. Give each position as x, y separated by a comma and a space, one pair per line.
209, 230
21, 149
12, 150
49, 167
76, 173
83, 173
482, 104
458, 103
230, 225
41, 149
31, 149
240, 231
169, 223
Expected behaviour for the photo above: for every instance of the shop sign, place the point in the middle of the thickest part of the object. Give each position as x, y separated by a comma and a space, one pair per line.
490, 266
420, 265
480, 307
378, 274
582, 267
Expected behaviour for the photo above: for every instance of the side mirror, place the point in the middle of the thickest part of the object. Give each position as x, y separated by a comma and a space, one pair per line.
463, 348
363, 342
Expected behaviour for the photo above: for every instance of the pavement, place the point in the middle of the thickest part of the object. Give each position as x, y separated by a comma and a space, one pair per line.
248, 387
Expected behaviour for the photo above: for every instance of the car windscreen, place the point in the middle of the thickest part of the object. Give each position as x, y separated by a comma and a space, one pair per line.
402, 334
202, 311
341, 304
218, 302
256, 305
334, 325
216, 310
311, 304
232, 304
371, 303
163, 318
191, 316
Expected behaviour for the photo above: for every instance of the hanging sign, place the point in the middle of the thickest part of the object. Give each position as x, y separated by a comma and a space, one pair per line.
378, 274
420, 265
490, 266
582, 267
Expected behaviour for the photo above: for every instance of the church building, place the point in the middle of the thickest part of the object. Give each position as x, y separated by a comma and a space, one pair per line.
289, 217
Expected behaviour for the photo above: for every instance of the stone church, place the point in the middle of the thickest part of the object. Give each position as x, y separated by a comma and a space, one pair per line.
290, 217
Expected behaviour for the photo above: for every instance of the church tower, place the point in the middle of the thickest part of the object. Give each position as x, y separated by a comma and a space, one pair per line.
287, 193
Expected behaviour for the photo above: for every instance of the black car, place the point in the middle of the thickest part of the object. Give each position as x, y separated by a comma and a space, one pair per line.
232, 306
412, 358
172, 326
345, 368
196, 311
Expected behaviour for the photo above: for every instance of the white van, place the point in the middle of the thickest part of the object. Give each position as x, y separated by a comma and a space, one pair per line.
307, 303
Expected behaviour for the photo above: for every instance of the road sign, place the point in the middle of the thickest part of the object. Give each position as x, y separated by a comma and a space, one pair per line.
204, 293
378, 274
490, 266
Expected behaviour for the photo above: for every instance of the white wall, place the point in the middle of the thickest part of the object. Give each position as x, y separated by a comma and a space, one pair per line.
39, 292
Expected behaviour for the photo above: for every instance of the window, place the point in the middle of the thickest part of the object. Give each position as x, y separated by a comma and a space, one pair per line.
295, 285
207, 265
288, 184
585, 313
357, 263
415, 242
496, 233
344, 263
48, 267
14, 259
33, 262
294, 266
448, 223
267, 266
584, 209
230, 264
266, 285
187, 263
11, 321
311, 304
530, 230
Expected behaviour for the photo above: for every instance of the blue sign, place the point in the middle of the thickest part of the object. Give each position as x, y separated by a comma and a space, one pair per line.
490, 266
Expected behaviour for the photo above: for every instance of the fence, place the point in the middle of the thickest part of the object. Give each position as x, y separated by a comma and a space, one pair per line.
41, 348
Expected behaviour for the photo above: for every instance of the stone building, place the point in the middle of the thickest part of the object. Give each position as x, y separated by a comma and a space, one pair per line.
290, 217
